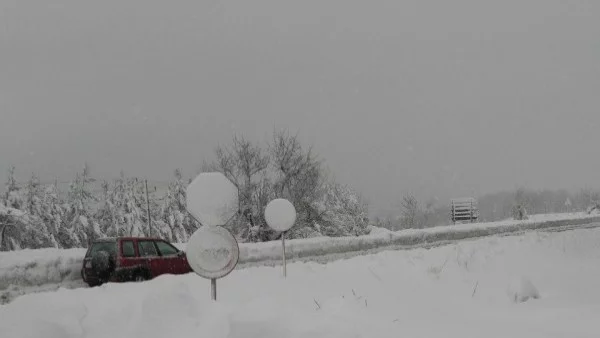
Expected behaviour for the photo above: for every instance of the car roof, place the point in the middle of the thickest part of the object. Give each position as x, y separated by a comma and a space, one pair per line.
141, 238
113, 239
106, 239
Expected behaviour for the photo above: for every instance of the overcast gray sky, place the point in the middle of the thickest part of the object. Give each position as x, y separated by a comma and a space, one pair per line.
386, 91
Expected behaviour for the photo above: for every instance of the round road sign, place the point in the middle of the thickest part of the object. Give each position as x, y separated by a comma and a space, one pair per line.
212, 252
212, 199
280, 214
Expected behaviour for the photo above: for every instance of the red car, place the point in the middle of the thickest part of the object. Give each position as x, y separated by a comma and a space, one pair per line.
131, 259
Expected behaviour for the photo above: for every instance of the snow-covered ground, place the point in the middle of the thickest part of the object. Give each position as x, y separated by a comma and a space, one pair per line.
467, 289
27, 271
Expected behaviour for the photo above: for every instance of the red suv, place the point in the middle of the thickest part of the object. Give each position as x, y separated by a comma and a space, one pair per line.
131, 259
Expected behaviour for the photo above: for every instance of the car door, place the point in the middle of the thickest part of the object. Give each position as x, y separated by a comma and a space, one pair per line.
129, 257
153, 261
173, 259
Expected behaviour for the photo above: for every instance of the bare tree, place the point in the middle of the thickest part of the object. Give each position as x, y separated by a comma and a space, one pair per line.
245, 164
225, 163
208, 167
241, 163
299, 171
521, 204
299, 175
286, 170
410, 211
250, 161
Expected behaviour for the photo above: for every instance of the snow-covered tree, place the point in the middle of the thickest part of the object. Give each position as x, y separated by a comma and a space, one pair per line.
35, 208
33, 198
174, 212
11, 228
134, 219
145, 201
15, 224
53, 213
107, 214
13, 196
81, 226
341, 212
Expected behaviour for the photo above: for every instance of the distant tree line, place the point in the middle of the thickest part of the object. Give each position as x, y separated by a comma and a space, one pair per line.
38, 215
492, 207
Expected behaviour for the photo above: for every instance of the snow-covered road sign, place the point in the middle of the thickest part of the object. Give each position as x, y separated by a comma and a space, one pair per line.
212, 199
280, 215
212, 251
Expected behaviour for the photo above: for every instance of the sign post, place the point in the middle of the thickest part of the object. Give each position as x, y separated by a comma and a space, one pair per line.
283, 255
212, 251
213, 289
280, 215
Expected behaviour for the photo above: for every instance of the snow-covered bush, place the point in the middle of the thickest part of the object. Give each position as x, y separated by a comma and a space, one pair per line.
521, 289
341, 212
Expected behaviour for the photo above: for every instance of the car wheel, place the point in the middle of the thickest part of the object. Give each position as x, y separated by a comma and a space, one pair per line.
94, 284
140, 277
103, 264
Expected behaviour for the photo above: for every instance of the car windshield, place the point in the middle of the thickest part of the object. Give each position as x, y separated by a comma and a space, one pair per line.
108, 246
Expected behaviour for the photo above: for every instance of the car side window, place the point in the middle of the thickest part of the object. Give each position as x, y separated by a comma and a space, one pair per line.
128, 249
147, 248
166, 249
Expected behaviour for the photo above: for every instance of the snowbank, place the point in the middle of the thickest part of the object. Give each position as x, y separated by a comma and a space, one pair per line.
325, 248
26, 268
386, 295
26, 271
40, 266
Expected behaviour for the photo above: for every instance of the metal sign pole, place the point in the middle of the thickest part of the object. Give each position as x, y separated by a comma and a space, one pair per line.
280, 215
148, 209
283, 254
213, 289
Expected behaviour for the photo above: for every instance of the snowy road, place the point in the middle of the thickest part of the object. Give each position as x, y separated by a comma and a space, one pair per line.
458, 290
324, 259
26, 280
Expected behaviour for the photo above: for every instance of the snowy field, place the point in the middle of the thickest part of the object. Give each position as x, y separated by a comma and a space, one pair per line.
472, 288
27, 271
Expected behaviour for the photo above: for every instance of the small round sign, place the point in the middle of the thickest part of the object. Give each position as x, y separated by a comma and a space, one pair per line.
212, 199
280, 214
212, 252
